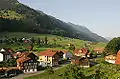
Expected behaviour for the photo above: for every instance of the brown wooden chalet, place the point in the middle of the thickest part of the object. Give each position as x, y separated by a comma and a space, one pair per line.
84, 52
27, 62
81, 61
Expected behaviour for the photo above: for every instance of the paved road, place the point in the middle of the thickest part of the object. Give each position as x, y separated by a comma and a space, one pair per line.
21, 76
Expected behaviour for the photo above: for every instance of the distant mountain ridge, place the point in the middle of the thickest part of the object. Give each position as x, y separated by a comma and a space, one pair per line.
21, 18
109, 38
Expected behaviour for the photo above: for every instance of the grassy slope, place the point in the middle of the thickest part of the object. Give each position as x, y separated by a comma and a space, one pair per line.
65, 41
59, 40
58, 72
109, 70
52, 76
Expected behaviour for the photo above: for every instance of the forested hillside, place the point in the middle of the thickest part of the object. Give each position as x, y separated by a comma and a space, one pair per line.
15, 17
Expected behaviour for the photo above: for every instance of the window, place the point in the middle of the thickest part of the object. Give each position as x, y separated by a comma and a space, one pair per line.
28, 68
24, 64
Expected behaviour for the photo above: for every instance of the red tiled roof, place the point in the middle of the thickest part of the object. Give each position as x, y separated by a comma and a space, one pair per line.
79, 60
83, 50
17, 54
9, 68
48, 53
99, 49
64, 51
20, 54
23, 59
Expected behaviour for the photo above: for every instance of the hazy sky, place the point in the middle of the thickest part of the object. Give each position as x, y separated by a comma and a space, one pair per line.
100, 16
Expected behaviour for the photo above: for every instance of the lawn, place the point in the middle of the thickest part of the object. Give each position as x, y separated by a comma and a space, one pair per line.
100, 44
59, 40
55, 75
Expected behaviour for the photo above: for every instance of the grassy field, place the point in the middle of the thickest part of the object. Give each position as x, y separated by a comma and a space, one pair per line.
58, 74
62, 41
108, 71
59, 40
55, 75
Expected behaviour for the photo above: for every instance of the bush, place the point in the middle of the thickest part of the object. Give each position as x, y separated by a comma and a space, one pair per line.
113, 46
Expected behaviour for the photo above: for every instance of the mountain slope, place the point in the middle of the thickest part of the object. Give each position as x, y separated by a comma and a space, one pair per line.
87, 32
18, 17
109, 38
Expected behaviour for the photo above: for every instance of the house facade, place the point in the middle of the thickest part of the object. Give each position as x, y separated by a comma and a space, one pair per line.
81, 52
110, 59
27, 62
67, 55
118, 58
99, 50
5, 55
49, 58
81, 61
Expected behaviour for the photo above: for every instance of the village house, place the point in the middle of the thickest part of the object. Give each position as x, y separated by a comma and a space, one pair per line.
110, 59
99, 50
9, 71
49, 58
27, 62
81, 61
5, 54
84, 52
18, 54
67, 54
118, 58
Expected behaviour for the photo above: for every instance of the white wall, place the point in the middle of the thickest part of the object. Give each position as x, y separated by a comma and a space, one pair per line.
44, 64
67, 55
64, 55
110, 61
1, 57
